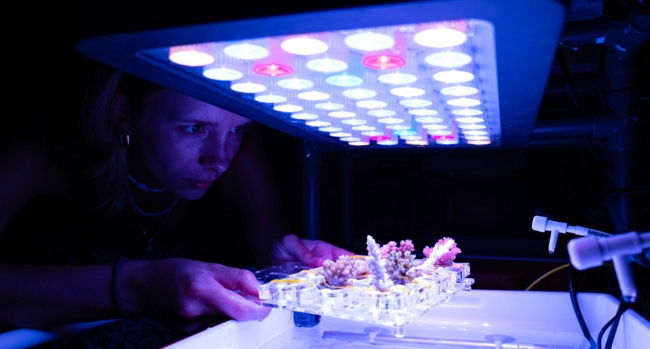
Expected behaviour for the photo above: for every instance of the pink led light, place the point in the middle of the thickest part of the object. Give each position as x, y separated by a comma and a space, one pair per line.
443, 138
380, 138
273, 69
383, 62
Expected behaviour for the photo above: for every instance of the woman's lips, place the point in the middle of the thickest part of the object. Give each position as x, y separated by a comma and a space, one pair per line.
197, 184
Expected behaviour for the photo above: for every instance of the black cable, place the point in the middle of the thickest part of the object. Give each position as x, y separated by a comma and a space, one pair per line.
622, 307
576, 310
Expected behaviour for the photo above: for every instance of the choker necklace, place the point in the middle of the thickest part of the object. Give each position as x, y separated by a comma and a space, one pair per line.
152, 214
144, 187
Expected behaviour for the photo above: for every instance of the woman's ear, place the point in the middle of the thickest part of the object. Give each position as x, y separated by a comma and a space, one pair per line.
120, 108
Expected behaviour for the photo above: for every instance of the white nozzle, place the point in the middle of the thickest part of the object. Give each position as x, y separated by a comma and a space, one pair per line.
552, 242
539, 224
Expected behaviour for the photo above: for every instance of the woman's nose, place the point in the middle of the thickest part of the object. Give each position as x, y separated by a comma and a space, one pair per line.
215, 156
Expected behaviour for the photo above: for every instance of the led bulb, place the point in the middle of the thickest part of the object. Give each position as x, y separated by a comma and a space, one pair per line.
354, 122
363, 128
469, 119
381, 113
472, 126
330, 129
407, 92
423, 112
417, 142
344, 80
273, 69
474, 133
397, 78
428, 120
295, 84
313, 96
288, 108
387, 142
442, 132
222, 74
342, 114
453, 76
318, 123
246, 51
434, 126
415, 103
191, 58
466, 112
359, 93
447, 141
440, 37
411, 138
405, 132
369, 41
398, 127
350, 139
359, 143
329, 106
304, 46
371, 104
448, 59
340, 134
327, 65
464, 102
304, 116
390, 121
459, 91
372, 133
270, 98
486, 142
248, 87
477, 138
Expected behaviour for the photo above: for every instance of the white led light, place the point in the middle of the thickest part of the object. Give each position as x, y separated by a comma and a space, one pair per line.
415, 103
313, 95
327, 65
474, 133
471, 126
350, 139
329, 106
447, 141
397, 78
342, 114
248, 87
359, 93
330, 129
423, 112
478, 142
288, 108
411, 138
390, 121
434, 126
448, 59
466, 112
304, 46
440, 37
340, 134
398, 127
222, 74
354, 122
459, 91
372, 133
439, 132
295, 84
387, 142
363, 128
270, 98
191, 58
246, 51
477, 138
407, 92
359, 143
369, 41
304, 116
317, 123
453, 76
381, 113
469, 119
464, 102
371, 104
417, 142
428, 120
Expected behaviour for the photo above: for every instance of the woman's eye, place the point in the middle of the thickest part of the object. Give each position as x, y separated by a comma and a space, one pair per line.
193, 128
236, 129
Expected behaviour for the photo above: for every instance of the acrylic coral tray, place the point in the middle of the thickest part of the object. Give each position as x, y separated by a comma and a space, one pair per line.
304, 290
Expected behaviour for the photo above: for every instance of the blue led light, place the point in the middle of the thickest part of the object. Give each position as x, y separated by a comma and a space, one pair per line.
344, 80
404, 132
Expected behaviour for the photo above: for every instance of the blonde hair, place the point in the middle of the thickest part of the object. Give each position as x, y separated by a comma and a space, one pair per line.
100, 141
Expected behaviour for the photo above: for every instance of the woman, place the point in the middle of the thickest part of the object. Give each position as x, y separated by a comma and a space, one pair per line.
142, 189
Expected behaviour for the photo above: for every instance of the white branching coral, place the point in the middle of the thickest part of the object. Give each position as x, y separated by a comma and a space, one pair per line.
443, 253
398, 263
343, 271
376, 263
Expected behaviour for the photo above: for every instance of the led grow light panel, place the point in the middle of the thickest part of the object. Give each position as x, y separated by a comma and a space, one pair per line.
435, 68
290, 287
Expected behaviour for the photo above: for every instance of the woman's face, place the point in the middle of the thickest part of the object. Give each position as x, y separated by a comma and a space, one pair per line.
183, 144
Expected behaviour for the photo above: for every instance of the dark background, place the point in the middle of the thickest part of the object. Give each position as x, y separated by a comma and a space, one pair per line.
484, 199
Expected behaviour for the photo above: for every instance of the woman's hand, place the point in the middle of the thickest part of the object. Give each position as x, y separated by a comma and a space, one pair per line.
188, 294
310, 253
